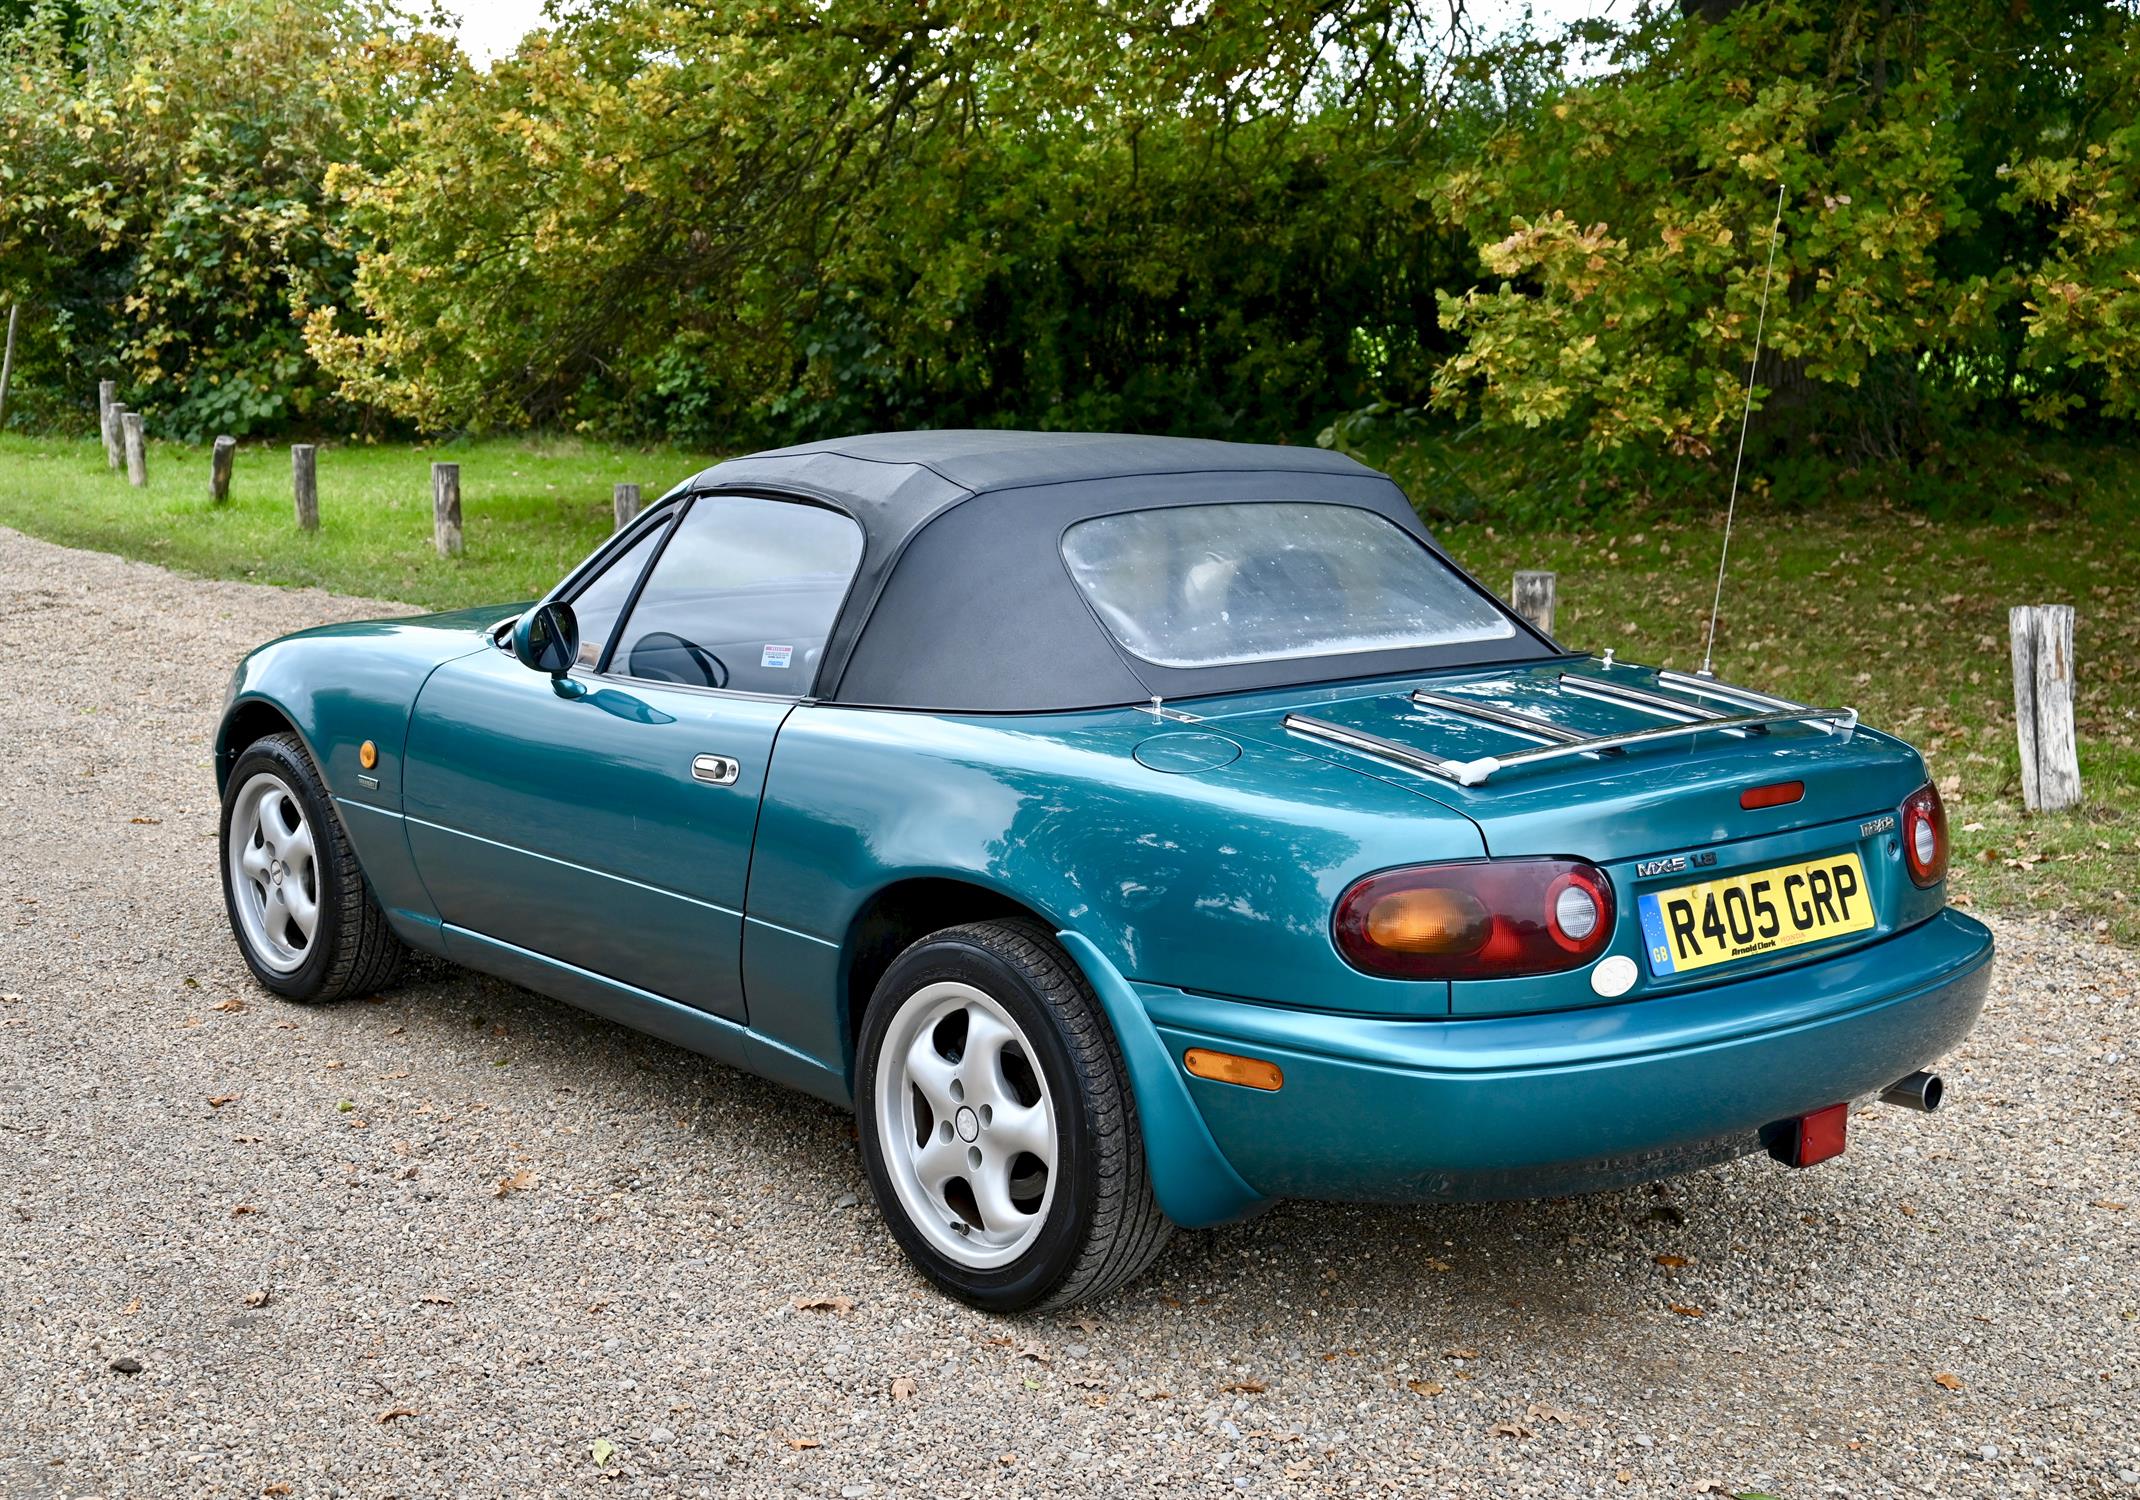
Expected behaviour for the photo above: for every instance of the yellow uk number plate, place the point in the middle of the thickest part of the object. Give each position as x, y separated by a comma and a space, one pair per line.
1694, 926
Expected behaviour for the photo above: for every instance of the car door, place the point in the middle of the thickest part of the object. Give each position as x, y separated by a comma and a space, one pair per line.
603, 819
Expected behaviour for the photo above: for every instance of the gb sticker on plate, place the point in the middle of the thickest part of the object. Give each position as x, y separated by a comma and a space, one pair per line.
775, 656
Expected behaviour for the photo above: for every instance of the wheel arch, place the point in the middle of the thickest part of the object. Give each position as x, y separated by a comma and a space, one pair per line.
1194, 1182
894, 918
246, 721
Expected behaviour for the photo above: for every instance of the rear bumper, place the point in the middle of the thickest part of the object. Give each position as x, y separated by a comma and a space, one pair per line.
1542, 1104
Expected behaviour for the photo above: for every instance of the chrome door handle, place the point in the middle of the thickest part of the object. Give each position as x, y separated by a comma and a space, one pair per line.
716, 770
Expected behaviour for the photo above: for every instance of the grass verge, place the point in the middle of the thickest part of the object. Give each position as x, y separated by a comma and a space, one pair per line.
1902, 617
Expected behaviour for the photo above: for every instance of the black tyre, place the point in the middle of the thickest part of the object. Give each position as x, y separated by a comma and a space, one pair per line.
997, 1126
298, 905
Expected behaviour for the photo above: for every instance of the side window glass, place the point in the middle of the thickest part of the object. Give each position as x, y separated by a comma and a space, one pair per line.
743, 597
601, 600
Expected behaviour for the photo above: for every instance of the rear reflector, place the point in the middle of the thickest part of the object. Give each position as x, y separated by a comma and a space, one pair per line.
1820, 1135
1775, 794
1249, 1072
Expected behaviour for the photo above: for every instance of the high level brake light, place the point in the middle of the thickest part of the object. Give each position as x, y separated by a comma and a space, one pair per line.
1481, 919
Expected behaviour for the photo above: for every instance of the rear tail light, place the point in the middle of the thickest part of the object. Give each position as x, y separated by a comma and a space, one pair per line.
1483, 919
1924, 835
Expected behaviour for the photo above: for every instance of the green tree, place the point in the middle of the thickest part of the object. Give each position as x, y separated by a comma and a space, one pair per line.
1957, 233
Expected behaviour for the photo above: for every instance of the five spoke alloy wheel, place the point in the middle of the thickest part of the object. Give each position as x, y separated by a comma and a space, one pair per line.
303, 916
967, 1123
276, 895
997, 1123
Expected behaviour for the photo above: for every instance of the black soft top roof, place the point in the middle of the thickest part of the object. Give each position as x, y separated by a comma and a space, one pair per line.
963, 602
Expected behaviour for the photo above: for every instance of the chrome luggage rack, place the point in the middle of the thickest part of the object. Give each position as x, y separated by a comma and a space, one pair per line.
1558, 742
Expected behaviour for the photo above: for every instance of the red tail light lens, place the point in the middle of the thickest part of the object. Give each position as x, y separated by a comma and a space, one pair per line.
1483, 919
1924, 835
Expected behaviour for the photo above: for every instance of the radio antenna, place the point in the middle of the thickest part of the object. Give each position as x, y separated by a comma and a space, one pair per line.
1746, 416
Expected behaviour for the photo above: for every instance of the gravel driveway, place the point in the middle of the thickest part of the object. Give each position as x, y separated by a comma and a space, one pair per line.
460, 1240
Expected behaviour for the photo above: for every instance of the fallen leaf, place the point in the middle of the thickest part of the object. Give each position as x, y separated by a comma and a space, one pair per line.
260, 1298
1245, 1387
1463, 1353
839, 1305
233, 1003
1538, 1411
243, 1209
1670, 1262
433, 1299
1947, 1381
798, 1444
1036, 1352
602, 1451
1510, 1430
219, 1100
519, 1182
144, 820
2109, 1203
398, 1413
279, 1487
1909, 1210
131, 1308
1007, 1459
1425, 1387
904, 1389
1686, 1309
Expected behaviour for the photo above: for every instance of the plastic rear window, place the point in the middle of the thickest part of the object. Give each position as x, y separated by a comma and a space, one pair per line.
1224, 585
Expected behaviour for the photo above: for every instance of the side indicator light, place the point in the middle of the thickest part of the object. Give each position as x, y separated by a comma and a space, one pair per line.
1775, 794
1820, 1135
1249, 1072
367, 755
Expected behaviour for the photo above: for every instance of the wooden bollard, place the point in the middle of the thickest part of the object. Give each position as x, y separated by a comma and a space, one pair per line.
446, 509
1532, 597
305, 485
115, 437
137, 450
7, 360
107, 398
2043, 705
219, 462
624, 500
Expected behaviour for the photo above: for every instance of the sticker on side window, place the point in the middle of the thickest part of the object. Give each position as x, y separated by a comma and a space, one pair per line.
775, 656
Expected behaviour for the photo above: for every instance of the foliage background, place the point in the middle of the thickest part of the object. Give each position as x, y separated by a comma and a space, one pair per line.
1524, 273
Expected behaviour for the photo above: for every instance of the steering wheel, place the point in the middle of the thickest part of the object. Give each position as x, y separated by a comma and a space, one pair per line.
654, 657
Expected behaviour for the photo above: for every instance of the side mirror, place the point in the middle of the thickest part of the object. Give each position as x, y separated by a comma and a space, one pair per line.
547, 639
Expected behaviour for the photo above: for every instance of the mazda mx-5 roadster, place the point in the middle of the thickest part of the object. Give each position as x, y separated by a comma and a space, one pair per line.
1131, 831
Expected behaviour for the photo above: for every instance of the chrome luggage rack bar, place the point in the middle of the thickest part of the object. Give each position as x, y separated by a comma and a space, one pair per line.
1562, 743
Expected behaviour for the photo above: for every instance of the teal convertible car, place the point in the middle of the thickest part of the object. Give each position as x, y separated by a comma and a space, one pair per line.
1132, 831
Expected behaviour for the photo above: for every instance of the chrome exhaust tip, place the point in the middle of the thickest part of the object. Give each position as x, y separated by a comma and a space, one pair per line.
1919, 1091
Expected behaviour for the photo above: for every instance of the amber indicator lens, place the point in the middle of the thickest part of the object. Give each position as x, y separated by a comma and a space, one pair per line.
1775, 794
1433, 920
367, 755
1225, 1067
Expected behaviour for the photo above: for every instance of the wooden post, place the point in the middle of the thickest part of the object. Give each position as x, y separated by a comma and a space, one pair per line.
137, 450
2043, 705
446, 509
624, 500
115, 438
305, 485
107, 398
1533, 598
226, 451
7, 361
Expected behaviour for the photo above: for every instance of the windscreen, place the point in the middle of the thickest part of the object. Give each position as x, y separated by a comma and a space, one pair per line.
1223, 585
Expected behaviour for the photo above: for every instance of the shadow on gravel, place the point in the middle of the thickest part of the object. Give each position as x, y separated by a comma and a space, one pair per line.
1701, 1247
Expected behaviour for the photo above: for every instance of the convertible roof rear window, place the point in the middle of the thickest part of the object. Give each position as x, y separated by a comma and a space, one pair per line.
1228, 584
